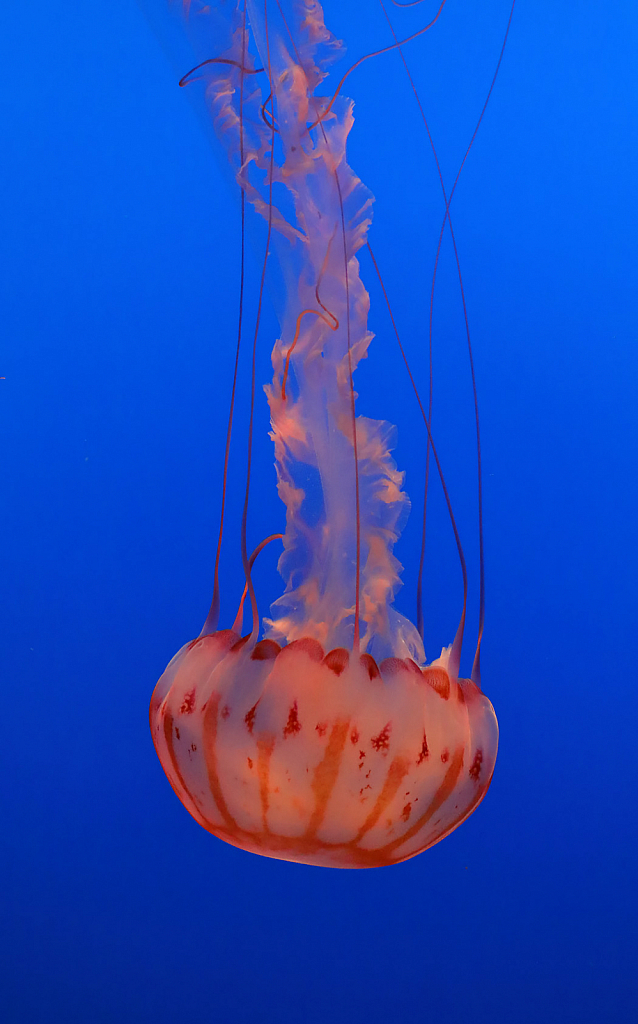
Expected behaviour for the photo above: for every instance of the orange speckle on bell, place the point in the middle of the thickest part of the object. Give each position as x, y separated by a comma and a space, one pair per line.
249, 718
424, 752
382, 741
293, 724
475, 770
188, 703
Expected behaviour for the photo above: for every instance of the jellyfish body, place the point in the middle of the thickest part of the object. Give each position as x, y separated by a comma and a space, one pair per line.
328, 742
321, 758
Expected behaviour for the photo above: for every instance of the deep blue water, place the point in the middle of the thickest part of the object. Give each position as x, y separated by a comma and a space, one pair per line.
120, 251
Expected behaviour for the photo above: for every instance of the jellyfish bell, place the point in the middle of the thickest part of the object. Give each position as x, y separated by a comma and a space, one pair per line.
321, 757
329, 741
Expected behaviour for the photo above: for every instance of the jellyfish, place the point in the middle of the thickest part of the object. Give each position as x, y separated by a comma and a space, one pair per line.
322, 736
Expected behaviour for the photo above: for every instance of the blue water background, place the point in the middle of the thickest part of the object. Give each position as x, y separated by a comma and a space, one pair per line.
120, 250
